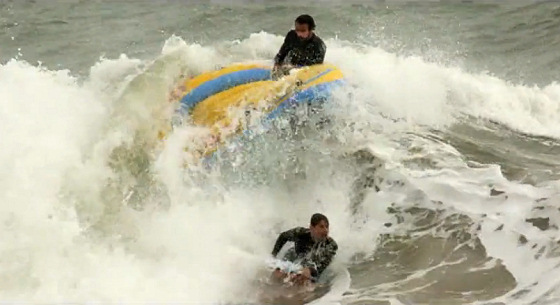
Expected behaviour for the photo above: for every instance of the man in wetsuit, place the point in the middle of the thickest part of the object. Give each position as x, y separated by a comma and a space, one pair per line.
313, 249
301, 47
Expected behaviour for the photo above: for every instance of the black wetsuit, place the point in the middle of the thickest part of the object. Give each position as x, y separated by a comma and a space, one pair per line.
297, 52
315, 255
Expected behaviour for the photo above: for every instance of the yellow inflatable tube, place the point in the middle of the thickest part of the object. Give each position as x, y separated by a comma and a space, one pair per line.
220, 100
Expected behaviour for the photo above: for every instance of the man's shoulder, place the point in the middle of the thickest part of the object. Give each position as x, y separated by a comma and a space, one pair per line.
332, 243
299, 230
291, 33
318, 39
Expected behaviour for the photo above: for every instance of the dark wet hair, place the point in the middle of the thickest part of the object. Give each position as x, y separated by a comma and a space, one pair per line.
317, 217
306, 19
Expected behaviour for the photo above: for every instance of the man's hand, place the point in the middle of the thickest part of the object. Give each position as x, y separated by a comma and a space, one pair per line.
278, 275
277, 67
281, 70
277, 71
303, 277
306, 272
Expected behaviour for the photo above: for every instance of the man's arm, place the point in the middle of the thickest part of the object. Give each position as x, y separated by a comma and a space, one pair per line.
319, 52
284, 49
323, 259
284, 237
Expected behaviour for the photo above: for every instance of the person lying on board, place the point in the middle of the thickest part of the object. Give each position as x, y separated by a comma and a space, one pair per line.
301, 47
314, 250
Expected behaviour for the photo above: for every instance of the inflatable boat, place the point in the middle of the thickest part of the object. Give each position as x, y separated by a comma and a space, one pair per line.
232, 100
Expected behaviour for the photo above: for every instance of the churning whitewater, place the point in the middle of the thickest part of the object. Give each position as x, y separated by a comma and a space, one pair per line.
439, 178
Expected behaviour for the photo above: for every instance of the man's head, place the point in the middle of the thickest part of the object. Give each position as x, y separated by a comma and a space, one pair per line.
304, 26
319, 226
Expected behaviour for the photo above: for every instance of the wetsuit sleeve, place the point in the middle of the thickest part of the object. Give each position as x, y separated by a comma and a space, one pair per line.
323, 260
286, 236
284, 49
319, 52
